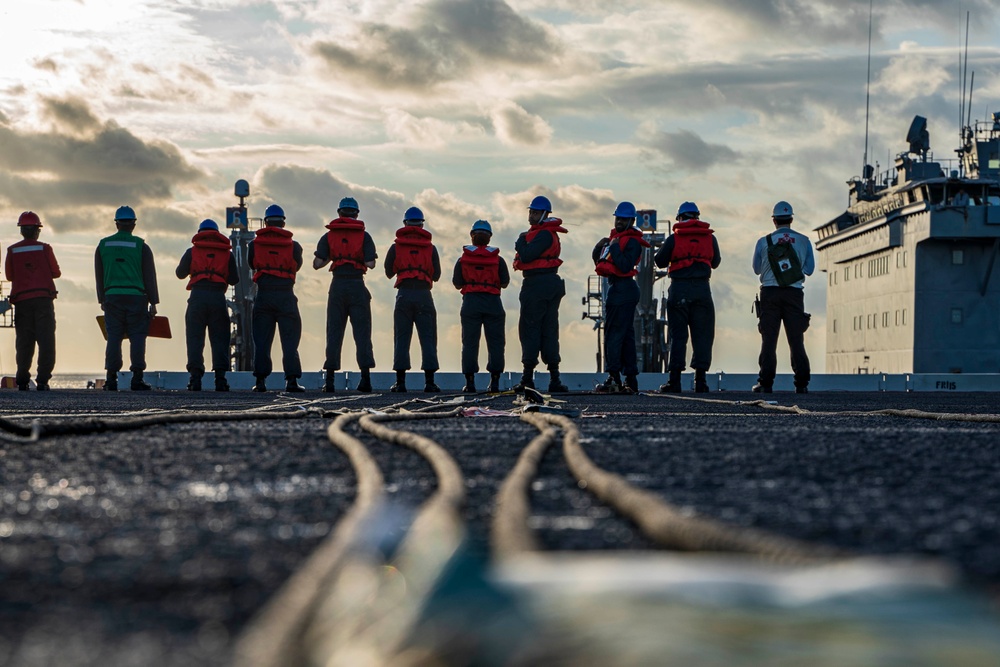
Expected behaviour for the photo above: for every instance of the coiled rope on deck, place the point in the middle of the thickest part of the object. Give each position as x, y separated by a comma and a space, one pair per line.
666, 524
510, 534
274, 637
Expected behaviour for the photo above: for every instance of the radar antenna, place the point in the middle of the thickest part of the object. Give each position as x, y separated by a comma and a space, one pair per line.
919, 138
865, 168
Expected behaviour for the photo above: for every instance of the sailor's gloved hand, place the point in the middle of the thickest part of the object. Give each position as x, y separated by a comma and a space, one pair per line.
152, 310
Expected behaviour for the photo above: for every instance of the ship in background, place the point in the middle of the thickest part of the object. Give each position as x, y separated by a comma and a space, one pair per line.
910, 264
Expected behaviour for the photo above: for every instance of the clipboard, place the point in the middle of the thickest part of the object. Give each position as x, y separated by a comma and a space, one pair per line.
159, 327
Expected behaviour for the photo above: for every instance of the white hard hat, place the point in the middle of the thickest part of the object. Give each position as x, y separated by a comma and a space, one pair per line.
782, 210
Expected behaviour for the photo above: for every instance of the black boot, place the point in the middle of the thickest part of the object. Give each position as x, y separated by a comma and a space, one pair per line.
700, 383
111, 383
470, 384
365, 384
429, 386
194, 383
41, 386
632, 383
261, 385
292, 386
613, 385
220, 381
555, 385
138, 384
673, 385
400, 386
494, 383
527, 380
328, 384
761, 388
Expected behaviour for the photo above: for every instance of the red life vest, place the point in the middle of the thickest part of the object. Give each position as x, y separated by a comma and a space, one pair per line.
692, 243
549, 259
346, 239
274, 253
210, 257
480, 269
414, 255
31, 275
606, 267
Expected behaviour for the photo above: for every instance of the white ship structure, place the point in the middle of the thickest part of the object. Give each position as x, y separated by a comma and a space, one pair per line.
911, 263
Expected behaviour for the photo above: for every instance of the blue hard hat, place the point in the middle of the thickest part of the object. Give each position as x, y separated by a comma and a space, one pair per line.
688, 208
412, 213
540, 203
208, 224
626, 209
124, 213
274, 211
481, 226
349, 202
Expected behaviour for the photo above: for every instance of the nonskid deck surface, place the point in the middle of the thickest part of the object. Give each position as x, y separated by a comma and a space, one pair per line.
157, 545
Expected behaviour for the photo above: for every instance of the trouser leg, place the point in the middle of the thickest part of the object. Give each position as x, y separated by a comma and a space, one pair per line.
702, 330
550, 324
25, 327
114, 324
769, 325
629, 361
361, 326
219, 333
796, 321
678, 321
425, 319
290, 333
45, 333
194, 330
336, 325
616, 331
472, 323
495, 328
529, 324
264, 322
402, 331
137, 328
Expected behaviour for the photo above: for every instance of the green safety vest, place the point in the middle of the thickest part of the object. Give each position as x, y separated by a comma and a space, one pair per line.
121, 256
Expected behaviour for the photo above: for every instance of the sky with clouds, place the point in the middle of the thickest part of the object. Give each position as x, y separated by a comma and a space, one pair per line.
467, 109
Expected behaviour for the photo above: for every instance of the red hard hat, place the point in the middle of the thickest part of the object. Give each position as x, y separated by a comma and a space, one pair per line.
29, 219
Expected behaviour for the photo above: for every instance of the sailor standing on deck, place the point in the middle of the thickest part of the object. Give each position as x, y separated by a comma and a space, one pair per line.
480, 273
127, 292
414, 262
782, 259
691, 253
31, 267
350, 252
212, 268
616, 258
275, 259
537, 255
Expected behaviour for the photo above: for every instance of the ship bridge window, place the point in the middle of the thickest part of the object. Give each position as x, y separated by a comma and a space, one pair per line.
958, 256
935, 193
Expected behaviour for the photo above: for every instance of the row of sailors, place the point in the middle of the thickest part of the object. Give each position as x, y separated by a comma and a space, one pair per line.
127, 292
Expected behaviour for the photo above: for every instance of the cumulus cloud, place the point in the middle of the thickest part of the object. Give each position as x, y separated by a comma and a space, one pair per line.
429, 132
685, 149
441, 40
86, 163
515, 126
71, 115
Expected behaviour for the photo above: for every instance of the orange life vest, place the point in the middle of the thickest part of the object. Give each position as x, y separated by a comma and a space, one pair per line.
274, 253
414, 255
210, 257
30, 273
480, 269
346, 239
549, 259
692, 243
606, 267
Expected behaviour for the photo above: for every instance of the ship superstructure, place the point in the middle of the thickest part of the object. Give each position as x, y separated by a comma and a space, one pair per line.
910, 264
